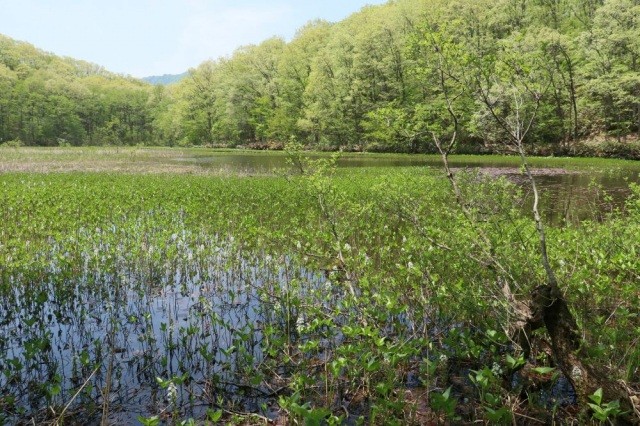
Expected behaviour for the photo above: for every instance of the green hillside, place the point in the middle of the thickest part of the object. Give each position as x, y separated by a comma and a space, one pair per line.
384, 79
50, 100
372, 81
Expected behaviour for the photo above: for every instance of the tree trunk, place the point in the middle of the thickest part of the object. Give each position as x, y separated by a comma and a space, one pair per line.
548, 304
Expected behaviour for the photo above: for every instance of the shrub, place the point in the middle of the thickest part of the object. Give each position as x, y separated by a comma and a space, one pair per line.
608, 149
14, 143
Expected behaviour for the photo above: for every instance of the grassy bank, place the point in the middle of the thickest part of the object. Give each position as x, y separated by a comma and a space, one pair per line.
227, 162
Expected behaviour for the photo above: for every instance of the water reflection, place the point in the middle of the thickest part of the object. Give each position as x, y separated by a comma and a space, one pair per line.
575, 197
567, 197
140, 337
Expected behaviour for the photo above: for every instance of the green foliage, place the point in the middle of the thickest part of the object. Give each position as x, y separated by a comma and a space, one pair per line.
603, 411
514, 363
309, 416
15, 143
445, 403
370, 82
47, 100
486, 382
333, 294
359, 335
149, 421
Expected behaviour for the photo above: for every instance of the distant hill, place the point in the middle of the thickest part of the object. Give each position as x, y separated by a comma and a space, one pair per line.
166, 79
50, 100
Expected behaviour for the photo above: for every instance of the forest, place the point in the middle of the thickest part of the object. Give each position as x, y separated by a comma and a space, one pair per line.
371, 82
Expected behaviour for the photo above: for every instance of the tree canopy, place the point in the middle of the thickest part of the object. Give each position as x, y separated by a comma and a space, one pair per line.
49, 100
364, 83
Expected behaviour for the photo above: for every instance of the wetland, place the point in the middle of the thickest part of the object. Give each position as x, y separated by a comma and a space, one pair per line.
167, 286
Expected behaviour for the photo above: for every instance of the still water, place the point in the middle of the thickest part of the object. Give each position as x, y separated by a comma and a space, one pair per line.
572, 190
134, 334
129, 336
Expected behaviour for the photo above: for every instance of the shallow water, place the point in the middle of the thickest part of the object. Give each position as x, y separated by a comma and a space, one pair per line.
116, 322
118, 326
572, 195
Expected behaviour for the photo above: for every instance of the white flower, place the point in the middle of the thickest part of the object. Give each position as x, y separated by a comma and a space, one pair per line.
172, 392
300, 324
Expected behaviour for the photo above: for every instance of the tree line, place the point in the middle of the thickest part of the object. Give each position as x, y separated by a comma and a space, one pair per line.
365, 83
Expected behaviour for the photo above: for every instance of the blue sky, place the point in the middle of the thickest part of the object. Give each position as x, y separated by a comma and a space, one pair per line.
154, 37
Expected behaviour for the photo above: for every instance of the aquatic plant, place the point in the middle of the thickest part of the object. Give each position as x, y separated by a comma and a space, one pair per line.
325, 297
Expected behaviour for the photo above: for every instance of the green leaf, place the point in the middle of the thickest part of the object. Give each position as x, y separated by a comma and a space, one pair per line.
597, 396
151, 421
514, 363
214, 415
598, 412
543, 370
446, 393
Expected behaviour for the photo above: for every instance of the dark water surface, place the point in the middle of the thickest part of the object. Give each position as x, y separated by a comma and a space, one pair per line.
572, 190
127, 336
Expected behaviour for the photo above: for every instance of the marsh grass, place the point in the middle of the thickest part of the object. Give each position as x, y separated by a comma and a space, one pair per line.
87, 159
333, 297
226, 162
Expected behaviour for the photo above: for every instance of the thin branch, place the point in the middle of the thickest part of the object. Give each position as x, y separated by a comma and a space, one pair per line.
86, 382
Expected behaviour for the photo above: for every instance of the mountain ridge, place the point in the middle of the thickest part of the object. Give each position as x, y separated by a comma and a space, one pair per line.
164, 79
